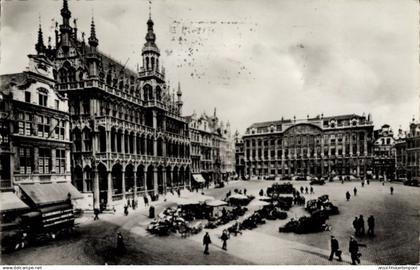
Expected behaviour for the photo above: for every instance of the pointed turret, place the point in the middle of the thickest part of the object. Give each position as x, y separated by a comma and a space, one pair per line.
65, 28
39, 46
179, 102
150, 51
93, 41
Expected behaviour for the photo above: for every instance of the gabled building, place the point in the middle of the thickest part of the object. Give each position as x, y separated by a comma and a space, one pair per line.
212, 147
384, 153
35, 123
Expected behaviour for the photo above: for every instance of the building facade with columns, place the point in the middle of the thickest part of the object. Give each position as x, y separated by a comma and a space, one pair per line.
127, 131
34, 127
320, 146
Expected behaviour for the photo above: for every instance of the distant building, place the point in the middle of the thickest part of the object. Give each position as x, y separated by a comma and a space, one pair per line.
384, 153
212, 147
321, 146
239, 156
400, 147
413, 150
35, 123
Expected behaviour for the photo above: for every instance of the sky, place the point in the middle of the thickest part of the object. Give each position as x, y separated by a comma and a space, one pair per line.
255, 60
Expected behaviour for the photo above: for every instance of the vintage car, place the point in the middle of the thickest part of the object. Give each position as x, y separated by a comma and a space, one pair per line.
412, 182
317, 182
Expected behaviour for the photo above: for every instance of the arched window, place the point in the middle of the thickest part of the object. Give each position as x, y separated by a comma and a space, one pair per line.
62, 75
108, 79
153, 63
158, 93
147, 89
147, 63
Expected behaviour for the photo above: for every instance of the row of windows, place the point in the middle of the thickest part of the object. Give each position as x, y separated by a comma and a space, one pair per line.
43, 126
44, 162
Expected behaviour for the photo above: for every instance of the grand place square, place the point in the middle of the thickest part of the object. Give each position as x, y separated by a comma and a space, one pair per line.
187, 133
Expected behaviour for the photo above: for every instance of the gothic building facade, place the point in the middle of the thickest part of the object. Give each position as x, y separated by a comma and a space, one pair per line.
127, 131
320, 146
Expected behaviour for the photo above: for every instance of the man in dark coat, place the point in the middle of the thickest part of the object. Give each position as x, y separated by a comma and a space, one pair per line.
362, 225
146, 200
96, 213
392, 190
206, 243
224, 237
356, 226
120, 244
371, 226
354, 251
335, 249
355, 191
348, 195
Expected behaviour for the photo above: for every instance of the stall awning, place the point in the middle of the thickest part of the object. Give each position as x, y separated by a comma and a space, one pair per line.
47, 193
9, 201
198, 178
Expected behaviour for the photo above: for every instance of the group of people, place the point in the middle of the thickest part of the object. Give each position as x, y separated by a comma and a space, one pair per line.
207, 241
311, 190
359, 226
353, 250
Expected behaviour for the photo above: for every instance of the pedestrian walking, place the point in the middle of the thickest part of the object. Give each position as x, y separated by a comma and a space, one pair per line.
355, 191
261, 192
133, 204
128, 203
363, 183
244, 191
120, 244
361, 225
306, 190
354, 250
368, 181
178, 191
392, 190
224, 237
348, 195
335, 249
126, 210
356, 226
146, 200
301, 189
206, 243
312, 190
96, 213
371, 226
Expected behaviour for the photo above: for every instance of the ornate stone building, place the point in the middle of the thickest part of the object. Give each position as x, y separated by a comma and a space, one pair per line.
127, 131
334, 145
239, 156
34, 127
212, 147
413, 150
384, 153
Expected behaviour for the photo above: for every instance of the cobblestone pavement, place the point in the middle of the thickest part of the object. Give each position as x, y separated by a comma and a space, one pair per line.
396, 241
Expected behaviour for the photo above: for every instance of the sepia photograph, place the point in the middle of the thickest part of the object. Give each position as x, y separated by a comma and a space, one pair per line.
282, 133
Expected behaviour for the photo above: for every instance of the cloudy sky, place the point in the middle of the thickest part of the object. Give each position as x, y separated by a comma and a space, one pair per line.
255, 60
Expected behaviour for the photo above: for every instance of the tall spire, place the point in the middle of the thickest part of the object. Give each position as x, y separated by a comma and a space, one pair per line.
65, 12
93, 41
179, 92
150, 36
39, 46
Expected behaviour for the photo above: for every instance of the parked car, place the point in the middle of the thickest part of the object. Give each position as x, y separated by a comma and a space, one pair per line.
412, 182
286, 177
299, 178
270, 177
317, 182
